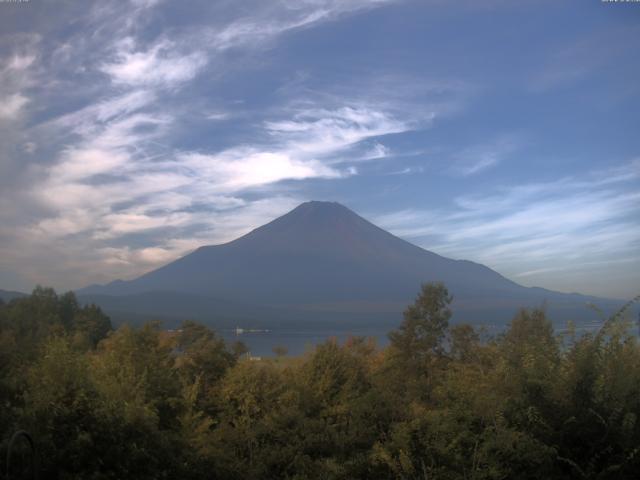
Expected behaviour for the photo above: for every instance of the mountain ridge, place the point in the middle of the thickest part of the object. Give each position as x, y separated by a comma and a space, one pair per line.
8, 295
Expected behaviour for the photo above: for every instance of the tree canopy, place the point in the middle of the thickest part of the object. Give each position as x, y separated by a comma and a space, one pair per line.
440, 401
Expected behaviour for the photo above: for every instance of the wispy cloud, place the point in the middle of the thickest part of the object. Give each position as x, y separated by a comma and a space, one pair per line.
116, 163
576, 60
162, 64
218, 116
11, 105
267, 23
323, 133
478, 158
18, 71
311, 144
525, 230
408, 171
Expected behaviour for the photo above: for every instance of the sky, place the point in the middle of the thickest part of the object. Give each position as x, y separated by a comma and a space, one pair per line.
507, 133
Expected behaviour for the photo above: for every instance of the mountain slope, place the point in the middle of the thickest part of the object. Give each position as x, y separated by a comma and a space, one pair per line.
322, 257
8, 295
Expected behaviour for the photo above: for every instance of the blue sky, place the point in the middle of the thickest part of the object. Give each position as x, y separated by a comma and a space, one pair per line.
504, 133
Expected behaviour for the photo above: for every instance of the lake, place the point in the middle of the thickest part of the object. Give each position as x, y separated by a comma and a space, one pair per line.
298, 341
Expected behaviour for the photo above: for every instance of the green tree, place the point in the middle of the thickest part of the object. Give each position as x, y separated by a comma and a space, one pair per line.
424, 326
202, 359
251, 439
416, 351
465, 342
91, 325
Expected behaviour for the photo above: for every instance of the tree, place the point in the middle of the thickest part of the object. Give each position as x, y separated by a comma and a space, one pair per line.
67, 309
464, 341
253, 397
91, 324
425, 325
203, 358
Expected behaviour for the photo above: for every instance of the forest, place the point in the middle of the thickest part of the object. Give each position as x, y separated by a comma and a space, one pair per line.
441, 401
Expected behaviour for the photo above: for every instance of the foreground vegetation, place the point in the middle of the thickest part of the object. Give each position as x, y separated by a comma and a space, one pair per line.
437, 403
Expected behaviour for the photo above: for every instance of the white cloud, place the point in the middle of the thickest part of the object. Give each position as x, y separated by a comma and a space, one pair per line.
478, 158
376, 152
314, 132
309, 145
16, 78
145, 3
11, 105
121, 105
408, 171
81, 164
121, 223
20, 62
163, 64
218, 116
483, 163
267, 23
248, 167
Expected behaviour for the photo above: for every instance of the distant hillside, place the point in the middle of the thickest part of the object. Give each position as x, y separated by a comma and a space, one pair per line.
7, 295
322, 263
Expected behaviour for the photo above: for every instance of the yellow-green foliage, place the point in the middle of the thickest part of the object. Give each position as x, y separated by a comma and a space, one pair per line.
437, 403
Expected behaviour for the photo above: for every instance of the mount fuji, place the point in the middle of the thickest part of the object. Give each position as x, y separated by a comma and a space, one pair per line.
322, 264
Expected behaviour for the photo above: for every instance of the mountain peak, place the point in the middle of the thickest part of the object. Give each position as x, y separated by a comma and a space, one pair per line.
311, 220
321, 207
321, 204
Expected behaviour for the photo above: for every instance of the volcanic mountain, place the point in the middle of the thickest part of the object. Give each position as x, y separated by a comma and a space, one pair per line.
321, 262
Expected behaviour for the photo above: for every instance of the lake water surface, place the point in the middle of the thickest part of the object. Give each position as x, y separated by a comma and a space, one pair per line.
297, 341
